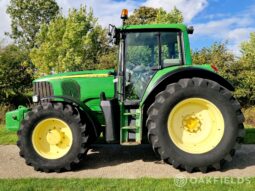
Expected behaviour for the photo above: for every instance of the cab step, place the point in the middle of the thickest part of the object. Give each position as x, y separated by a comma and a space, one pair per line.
129, 127
130, 143
131, 114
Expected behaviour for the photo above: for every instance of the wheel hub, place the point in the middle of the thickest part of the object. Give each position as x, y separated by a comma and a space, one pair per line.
53, 137
191, 123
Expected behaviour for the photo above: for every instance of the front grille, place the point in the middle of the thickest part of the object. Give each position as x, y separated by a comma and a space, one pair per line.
42, 89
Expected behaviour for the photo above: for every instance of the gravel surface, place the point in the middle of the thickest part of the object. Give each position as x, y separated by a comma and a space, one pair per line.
115, 161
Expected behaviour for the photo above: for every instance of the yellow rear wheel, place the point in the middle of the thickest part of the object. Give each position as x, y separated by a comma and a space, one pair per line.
195, 125
52, 138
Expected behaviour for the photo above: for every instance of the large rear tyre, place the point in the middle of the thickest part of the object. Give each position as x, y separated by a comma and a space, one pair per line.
195, 124
53, 137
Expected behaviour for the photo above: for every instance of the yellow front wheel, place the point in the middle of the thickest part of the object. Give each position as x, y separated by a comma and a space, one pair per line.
195, 124
53, 137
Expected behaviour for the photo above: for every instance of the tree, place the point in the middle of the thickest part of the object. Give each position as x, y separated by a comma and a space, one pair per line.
149, 15
217, 54
69, 44
108, 59
26, 18
174, 16
14, 78
246, 72
142, 15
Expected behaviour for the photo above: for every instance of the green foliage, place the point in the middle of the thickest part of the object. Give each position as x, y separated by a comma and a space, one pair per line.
108, 59
69, 44
249, 136
3, 109
26, 18
149, 15
248, 51
142, 15
246, 71
217, 54
14, 78
249, 114
174, 16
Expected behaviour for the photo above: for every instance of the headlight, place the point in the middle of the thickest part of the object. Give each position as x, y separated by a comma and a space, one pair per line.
35, 98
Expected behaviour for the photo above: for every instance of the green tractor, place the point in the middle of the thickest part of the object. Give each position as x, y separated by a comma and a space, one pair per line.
187, 111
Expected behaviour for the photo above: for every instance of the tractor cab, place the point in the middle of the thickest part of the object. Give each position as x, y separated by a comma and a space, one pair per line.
143, 51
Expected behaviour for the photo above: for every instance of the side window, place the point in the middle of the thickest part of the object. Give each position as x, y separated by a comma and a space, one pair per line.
141, 55
171, 48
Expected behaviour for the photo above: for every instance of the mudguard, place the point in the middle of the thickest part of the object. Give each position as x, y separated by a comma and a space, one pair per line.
80, 105
183, 72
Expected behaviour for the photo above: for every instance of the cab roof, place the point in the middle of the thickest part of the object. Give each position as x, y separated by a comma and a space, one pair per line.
179, 26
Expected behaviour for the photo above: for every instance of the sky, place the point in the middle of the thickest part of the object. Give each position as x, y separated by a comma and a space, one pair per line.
228, 21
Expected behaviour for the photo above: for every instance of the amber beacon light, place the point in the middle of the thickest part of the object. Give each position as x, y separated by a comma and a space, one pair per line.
124, 14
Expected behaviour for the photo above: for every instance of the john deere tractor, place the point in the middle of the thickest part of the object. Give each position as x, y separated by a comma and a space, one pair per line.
187, 111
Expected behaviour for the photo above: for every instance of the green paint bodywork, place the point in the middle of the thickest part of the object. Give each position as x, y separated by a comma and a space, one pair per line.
14, 118
86, 86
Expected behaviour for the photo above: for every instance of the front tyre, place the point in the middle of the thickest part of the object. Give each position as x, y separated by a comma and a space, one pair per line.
195, 124
53, 137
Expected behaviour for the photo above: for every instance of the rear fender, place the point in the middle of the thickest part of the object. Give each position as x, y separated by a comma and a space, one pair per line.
186, 72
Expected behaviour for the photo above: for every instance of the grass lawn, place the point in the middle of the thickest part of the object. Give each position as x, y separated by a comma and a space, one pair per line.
249, 136
96, 184
7, 137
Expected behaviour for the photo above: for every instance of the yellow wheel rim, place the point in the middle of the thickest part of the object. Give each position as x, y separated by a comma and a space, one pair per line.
52, 138
195, 125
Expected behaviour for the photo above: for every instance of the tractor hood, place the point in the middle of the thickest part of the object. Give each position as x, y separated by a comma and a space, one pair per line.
84, 86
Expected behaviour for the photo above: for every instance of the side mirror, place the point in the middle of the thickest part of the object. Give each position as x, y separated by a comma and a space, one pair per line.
113, 33
190, 30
